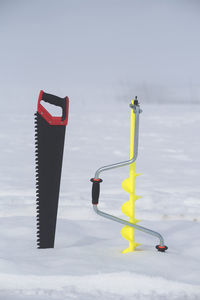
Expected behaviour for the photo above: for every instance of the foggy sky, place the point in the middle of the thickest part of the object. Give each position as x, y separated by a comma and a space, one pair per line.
93, 49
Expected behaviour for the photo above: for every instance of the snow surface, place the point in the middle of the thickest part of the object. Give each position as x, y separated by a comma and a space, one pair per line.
87, 262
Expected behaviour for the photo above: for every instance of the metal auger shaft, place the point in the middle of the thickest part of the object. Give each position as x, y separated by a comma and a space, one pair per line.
124, 222
96, 183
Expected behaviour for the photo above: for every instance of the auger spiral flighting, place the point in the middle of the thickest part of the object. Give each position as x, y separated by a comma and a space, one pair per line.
128, 185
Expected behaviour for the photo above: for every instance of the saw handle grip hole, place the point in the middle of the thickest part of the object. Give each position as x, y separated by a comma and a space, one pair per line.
49, 108
57, 101
52, 109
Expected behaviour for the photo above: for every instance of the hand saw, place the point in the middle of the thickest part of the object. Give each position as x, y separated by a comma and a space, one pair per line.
49, 145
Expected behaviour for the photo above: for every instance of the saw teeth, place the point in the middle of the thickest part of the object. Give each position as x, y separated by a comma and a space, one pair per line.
37, 182
38, 243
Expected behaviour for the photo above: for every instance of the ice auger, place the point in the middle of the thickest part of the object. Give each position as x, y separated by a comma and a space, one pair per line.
128, 185
49, 145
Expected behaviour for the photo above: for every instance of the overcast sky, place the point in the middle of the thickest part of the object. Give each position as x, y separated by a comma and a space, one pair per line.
89, 49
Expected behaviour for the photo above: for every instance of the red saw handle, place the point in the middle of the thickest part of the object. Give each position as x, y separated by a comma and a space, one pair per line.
62, 102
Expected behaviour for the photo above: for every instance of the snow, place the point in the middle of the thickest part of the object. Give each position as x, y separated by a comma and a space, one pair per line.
87, 261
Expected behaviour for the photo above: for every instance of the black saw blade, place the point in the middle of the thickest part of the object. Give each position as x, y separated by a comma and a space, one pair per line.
49, 155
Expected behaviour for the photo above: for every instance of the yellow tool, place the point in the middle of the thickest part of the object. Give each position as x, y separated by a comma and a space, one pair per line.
128, 208
128, 185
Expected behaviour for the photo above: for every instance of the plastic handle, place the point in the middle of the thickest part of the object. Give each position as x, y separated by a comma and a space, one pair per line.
95, 190
62, 102
55, 100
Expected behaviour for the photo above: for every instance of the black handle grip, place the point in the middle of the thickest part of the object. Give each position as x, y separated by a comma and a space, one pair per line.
95, 190
55, 100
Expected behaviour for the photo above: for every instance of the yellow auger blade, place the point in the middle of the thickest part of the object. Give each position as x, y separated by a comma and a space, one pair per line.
128, 208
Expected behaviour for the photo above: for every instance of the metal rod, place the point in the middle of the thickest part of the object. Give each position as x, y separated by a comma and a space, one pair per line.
124, 222
137, 111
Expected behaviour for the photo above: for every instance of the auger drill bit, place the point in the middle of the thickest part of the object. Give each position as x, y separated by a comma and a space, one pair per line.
129, 186
49, 145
